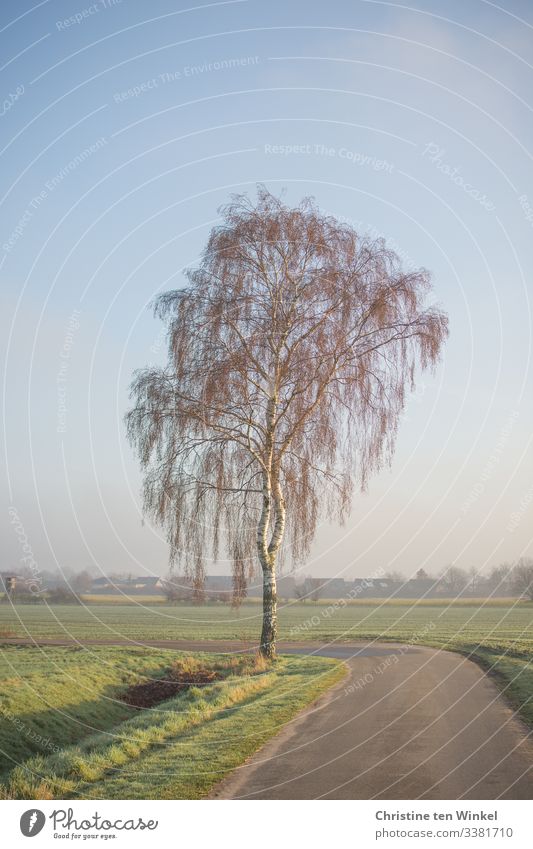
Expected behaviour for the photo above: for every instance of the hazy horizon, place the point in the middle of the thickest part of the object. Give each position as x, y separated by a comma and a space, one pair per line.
121, 139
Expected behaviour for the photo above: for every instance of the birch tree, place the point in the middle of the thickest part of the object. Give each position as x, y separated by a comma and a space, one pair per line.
291, 348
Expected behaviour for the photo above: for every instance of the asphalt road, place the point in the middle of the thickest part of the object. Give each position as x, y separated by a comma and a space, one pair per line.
406, 723
415, 724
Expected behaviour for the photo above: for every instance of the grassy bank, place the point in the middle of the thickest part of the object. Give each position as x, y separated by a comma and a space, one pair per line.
176, 749
513, 674
51, 698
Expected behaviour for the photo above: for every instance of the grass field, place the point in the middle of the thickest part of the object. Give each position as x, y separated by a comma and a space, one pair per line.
65, 733
501, 626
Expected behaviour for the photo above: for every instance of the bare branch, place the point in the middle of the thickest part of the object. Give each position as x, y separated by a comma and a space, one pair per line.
290, 352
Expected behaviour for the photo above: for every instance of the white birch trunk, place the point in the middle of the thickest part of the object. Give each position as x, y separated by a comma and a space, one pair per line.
268, 550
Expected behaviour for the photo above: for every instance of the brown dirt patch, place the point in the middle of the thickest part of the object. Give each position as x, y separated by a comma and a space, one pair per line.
176, 680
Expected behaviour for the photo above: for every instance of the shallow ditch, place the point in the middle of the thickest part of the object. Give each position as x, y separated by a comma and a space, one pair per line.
176, 680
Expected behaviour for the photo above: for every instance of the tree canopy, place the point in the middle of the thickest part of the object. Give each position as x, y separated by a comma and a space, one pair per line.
290, 352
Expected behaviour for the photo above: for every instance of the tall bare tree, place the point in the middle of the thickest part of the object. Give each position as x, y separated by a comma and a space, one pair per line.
290, 352
474, 578
454, 580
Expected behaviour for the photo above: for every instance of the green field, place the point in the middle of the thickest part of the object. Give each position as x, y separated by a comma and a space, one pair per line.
64, 733
501, 626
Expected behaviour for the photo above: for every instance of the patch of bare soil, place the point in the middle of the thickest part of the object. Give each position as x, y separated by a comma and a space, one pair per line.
175, 681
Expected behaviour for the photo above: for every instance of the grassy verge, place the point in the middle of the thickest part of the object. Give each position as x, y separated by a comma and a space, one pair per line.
181, 747
51, 698
512, 674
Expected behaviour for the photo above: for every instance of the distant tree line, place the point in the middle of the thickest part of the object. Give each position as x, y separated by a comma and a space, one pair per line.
506, 579
69, 587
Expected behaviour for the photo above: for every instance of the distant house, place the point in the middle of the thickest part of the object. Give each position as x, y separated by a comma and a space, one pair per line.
367, 588
285, 587
220, 587
151, 585
331, 588
9, 581
389, 588
422, 588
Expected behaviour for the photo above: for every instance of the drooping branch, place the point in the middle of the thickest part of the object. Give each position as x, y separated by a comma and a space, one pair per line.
290, 351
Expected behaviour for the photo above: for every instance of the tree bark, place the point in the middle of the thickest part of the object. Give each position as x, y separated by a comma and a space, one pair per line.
268, 633
270, 627
268, 558
268, 550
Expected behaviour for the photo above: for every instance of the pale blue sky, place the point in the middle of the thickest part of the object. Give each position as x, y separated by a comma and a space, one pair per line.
413, 122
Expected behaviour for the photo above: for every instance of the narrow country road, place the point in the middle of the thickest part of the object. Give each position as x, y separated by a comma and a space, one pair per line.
406, 723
